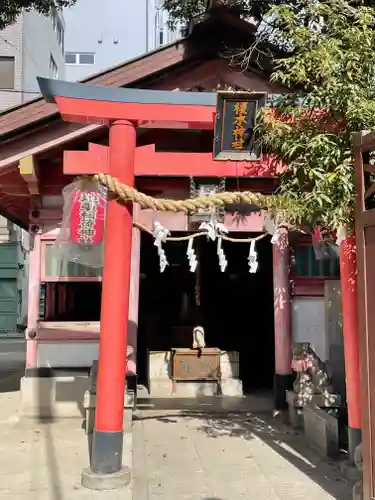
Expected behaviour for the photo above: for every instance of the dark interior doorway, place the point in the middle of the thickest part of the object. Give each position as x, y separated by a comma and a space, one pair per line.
236, 307
72, 301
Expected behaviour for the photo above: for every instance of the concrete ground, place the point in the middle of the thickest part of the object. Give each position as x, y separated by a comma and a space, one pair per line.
44, 460
193, 455
187, 454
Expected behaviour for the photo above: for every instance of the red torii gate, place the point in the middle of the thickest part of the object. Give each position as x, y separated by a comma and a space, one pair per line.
147, 162
123, 110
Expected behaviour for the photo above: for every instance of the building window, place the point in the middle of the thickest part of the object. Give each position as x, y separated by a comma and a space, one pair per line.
6, 72
54, 267
80, 58
308, 266
53, 69
71, 58
87, 58
159, 25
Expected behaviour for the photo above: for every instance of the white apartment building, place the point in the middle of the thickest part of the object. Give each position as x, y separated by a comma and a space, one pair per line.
97, 38
159, 31
33, 46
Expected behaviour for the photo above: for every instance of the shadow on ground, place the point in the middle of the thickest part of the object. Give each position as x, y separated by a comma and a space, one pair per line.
12, 364
54, 478
287, 442
10, 380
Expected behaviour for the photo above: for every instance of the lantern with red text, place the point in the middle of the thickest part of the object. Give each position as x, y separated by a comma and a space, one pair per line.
87, 217
81, 235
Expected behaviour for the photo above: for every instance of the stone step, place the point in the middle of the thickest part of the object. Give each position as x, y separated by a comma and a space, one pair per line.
163, 387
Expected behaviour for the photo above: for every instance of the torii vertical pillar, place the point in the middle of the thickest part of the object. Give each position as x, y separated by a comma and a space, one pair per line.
283, 320
348, 276
106, 469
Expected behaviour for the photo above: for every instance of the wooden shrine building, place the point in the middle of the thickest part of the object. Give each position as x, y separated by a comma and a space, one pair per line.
249, 318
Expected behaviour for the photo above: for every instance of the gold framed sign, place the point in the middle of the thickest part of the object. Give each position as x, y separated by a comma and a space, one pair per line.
235, 122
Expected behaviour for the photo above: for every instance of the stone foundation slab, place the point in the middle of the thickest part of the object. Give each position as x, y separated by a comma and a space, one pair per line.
53, 397
321, 430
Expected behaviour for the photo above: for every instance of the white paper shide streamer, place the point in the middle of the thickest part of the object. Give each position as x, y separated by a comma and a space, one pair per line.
253, 258
190, 252
215, 230
223, 263
276, 236
160, 234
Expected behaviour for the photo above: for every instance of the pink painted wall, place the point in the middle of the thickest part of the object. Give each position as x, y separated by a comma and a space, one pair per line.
253, 222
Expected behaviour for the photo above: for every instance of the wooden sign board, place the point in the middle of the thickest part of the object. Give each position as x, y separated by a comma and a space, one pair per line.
235, 123
188, 366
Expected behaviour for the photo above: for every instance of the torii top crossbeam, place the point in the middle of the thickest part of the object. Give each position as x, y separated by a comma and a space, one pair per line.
81, 103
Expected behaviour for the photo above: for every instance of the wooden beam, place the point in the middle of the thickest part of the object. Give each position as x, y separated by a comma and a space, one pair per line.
370, 191
148, 162
13, 217
28, 169
104, 112
369, 168
365, 140
248, 80
175, 125
188, 77
45, 215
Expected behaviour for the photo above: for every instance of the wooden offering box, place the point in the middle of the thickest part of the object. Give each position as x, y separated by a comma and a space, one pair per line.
187, 366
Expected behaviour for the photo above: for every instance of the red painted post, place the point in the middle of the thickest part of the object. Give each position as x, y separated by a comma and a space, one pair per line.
283, 321
33, 305
106, 456
348, 275
134, 294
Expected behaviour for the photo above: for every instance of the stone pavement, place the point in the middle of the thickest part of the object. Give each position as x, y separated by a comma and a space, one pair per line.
44, 460
187, 454
194, 456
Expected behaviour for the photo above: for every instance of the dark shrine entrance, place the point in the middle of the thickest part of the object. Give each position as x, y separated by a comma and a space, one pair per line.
236, 307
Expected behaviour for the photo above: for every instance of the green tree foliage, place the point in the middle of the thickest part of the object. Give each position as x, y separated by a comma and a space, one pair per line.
183, 10
332, 64
11, 9
330, 59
